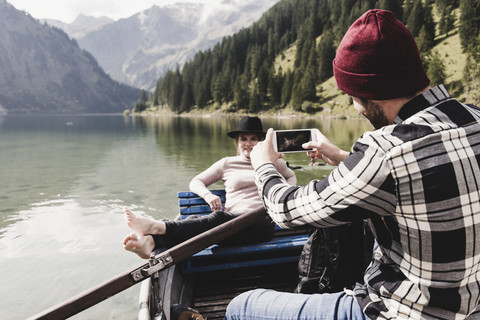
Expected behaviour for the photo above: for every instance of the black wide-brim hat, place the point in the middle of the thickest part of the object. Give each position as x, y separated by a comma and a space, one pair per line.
248, 125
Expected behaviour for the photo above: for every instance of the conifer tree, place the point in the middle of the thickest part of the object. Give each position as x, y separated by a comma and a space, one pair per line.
445, 12
287, 88
421, 25
470, 40
393, 5
218, 90
436, 70
262, 80
297, 98
175, 90
429, 24
415, 19
240, 93
471, 76
141, 103
407, 10
469, 25
187, 93
424, 42
326, 54
275, 87
156, 97
254, 99
308, 90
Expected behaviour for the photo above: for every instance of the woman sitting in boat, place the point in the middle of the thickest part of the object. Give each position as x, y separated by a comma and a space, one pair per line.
242, 196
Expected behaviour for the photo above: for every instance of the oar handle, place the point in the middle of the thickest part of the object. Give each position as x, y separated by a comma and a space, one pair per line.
167, 258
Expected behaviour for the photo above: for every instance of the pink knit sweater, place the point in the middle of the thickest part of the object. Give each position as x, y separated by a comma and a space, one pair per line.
237, 175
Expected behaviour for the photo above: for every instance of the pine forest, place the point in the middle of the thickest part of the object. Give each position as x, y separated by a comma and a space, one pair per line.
283, 62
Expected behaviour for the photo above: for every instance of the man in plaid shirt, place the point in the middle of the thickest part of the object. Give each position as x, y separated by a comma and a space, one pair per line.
416, 178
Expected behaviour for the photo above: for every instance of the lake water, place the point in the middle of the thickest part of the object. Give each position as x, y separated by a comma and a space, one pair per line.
64, 181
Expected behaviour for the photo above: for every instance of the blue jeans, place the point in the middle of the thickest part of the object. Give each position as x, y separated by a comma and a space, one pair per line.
263, 304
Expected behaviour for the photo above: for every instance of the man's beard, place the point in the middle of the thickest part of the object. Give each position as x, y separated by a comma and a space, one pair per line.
374, 114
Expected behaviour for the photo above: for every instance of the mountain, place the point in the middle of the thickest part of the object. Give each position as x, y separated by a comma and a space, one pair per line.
43, 70
140, 49
81, 26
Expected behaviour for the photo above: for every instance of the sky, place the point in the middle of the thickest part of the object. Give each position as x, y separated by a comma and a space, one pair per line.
67, 10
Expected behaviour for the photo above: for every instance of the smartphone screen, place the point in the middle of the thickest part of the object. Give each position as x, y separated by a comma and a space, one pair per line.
292, 140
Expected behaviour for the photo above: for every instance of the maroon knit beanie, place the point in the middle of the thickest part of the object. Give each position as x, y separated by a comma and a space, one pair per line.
378, 59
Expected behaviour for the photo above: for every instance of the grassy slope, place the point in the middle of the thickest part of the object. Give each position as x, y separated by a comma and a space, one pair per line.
337, 104
451, 53
334, 103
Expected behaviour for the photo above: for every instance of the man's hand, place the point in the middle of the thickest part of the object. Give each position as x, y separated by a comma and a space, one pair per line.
326, 150
263, 152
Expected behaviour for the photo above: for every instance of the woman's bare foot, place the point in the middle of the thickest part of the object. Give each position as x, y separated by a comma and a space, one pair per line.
142, 246
142, 225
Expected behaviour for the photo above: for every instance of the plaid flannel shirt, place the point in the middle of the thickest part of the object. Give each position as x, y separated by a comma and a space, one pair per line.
418, 183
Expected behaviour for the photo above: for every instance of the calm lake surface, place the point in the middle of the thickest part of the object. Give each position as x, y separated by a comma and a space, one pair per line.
64, 181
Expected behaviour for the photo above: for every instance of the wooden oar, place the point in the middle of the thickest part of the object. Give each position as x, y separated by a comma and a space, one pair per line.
162, 261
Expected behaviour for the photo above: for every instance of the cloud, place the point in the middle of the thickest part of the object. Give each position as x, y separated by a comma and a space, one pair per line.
218, 6
67, 11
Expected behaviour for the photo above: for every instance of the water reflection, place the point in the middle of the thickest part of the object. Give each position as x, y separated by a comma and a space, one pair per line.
64, 186
195, 143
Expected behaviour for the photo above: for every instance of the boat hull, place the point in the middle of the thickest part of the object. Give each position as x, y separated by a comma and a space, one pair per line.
210, 292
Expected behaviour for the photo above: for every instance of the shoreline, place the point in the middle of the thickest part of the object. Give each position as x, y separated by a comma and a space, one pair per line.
218, 113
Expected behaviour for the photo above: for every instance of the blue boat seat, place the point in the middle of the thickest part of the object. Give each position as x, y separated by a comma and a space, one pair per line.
284, 247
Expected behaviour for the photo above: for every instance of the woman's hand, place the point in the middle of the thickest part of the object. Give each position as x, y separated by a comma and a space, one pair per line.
325, 150
213, 201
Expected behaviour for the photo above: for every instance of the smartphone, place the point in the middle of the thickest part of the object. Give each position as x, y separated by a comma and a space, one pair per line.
291, 140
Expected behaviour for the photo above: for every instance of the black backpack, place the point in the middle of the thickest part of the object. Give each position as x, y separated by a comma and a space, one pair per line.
335, 258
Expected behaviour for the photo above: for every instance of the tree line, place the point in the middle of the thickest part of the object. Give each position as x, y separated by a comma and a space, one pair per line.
241, 73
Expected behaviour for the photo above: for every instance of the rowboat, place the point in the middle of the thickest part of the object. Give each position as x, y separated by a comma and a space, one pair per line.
209, 279
198, 273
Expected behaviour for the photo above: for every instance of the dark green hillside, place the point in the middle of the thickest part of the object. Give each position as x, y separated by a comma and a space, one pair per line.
44, 71
283, 61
